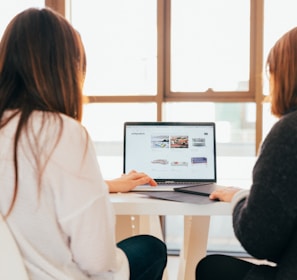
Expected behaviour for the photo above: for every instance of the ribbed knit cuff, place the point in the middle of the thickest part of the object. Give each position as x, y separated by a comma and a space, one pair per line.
240, 195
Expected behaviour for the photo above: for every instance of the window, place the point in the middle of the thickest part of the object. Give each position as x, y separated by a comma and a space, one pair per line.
210, 45
235, 123
10, 8
105, 122
135, 47
120, 39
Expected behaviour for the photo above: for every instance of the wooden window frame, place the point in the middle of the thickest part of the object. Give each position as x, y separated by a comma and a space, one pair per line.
164, 93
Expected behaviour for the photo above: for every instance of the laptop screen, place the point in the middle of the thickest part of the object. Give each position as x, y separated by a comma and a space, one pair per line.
171, 151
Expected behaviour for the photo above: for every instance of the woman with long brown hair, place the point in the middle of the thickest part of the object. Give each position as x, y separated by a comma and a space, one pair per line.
265, 219
53, 195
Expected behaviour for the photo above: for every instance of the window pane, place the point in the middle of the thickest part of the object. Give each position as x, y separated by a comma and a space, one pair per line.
268, 119
210, 45
10, 8
105, 121
235, 123
279, 17
120, 39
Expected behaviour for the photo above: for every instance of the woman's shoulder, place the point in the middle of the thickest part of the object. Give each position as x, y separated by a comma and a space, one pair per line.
50, 117
286, 126
59, 128
288, 120
52, 121
283, 134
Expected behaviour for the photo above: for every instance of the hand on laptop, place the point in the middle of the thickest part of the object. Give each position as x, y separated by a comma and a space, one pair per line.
129, 181
224, 194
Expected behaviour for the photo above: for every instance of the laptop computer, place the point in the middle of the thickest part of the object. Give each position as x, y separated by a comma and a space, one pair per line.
180, 156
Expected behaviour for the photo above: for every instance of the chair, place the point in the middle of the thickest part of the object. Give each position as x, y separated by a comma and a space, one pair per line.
11, 261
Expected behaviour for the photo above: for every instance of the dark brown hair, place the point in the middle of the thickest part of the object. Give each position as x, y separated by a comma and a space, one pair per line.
282, 66
42, 67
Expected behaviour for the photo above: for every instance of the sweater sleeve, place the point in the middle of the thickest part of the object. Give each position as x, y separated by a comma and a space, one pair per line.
239, 196
263, 222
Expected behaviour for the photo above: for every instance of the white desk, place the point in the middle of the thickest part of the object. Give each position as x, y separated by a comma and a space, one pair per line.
137, 214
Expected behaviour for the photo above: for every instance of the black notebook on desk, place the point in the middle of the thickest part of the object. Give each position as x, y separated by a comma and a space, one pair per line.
178, 155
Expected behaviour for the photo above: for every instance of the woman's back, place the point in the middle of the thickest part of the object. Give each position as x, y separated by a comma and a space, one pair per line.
48, 219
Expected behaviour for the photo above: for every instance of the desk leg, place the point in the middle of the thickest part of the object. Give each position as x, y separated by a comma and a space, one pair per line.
194, 245
127, 226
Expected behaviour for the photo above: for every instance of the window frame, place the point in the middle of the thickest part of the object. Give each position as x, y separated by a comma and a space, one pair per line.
164, 93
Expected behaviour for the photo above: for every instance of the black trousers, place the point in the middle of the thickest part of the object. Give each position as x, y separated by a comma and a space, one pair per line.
147, 256
221, 267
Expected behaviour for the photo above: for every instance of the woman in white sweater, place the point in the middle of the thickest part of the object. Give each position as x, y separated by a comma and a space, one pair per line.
53, 195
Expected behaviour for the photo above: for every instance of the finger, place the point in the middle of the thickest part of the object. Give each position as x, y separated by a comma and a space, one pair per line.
144, 179
153, 183
217, 194
213, 196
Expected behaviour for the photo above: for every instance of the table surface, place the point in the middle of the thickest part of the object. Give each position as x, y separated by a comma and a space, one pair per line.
139, 204
233, 172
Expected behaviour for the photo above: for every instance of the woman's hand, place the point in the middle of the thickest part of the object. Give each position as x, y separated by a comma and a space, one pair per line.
224, 194
129, 181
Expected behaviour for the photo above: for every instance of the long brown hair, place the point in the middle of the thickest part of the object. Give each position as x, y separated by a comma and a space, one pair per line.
42, 67
282, 66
